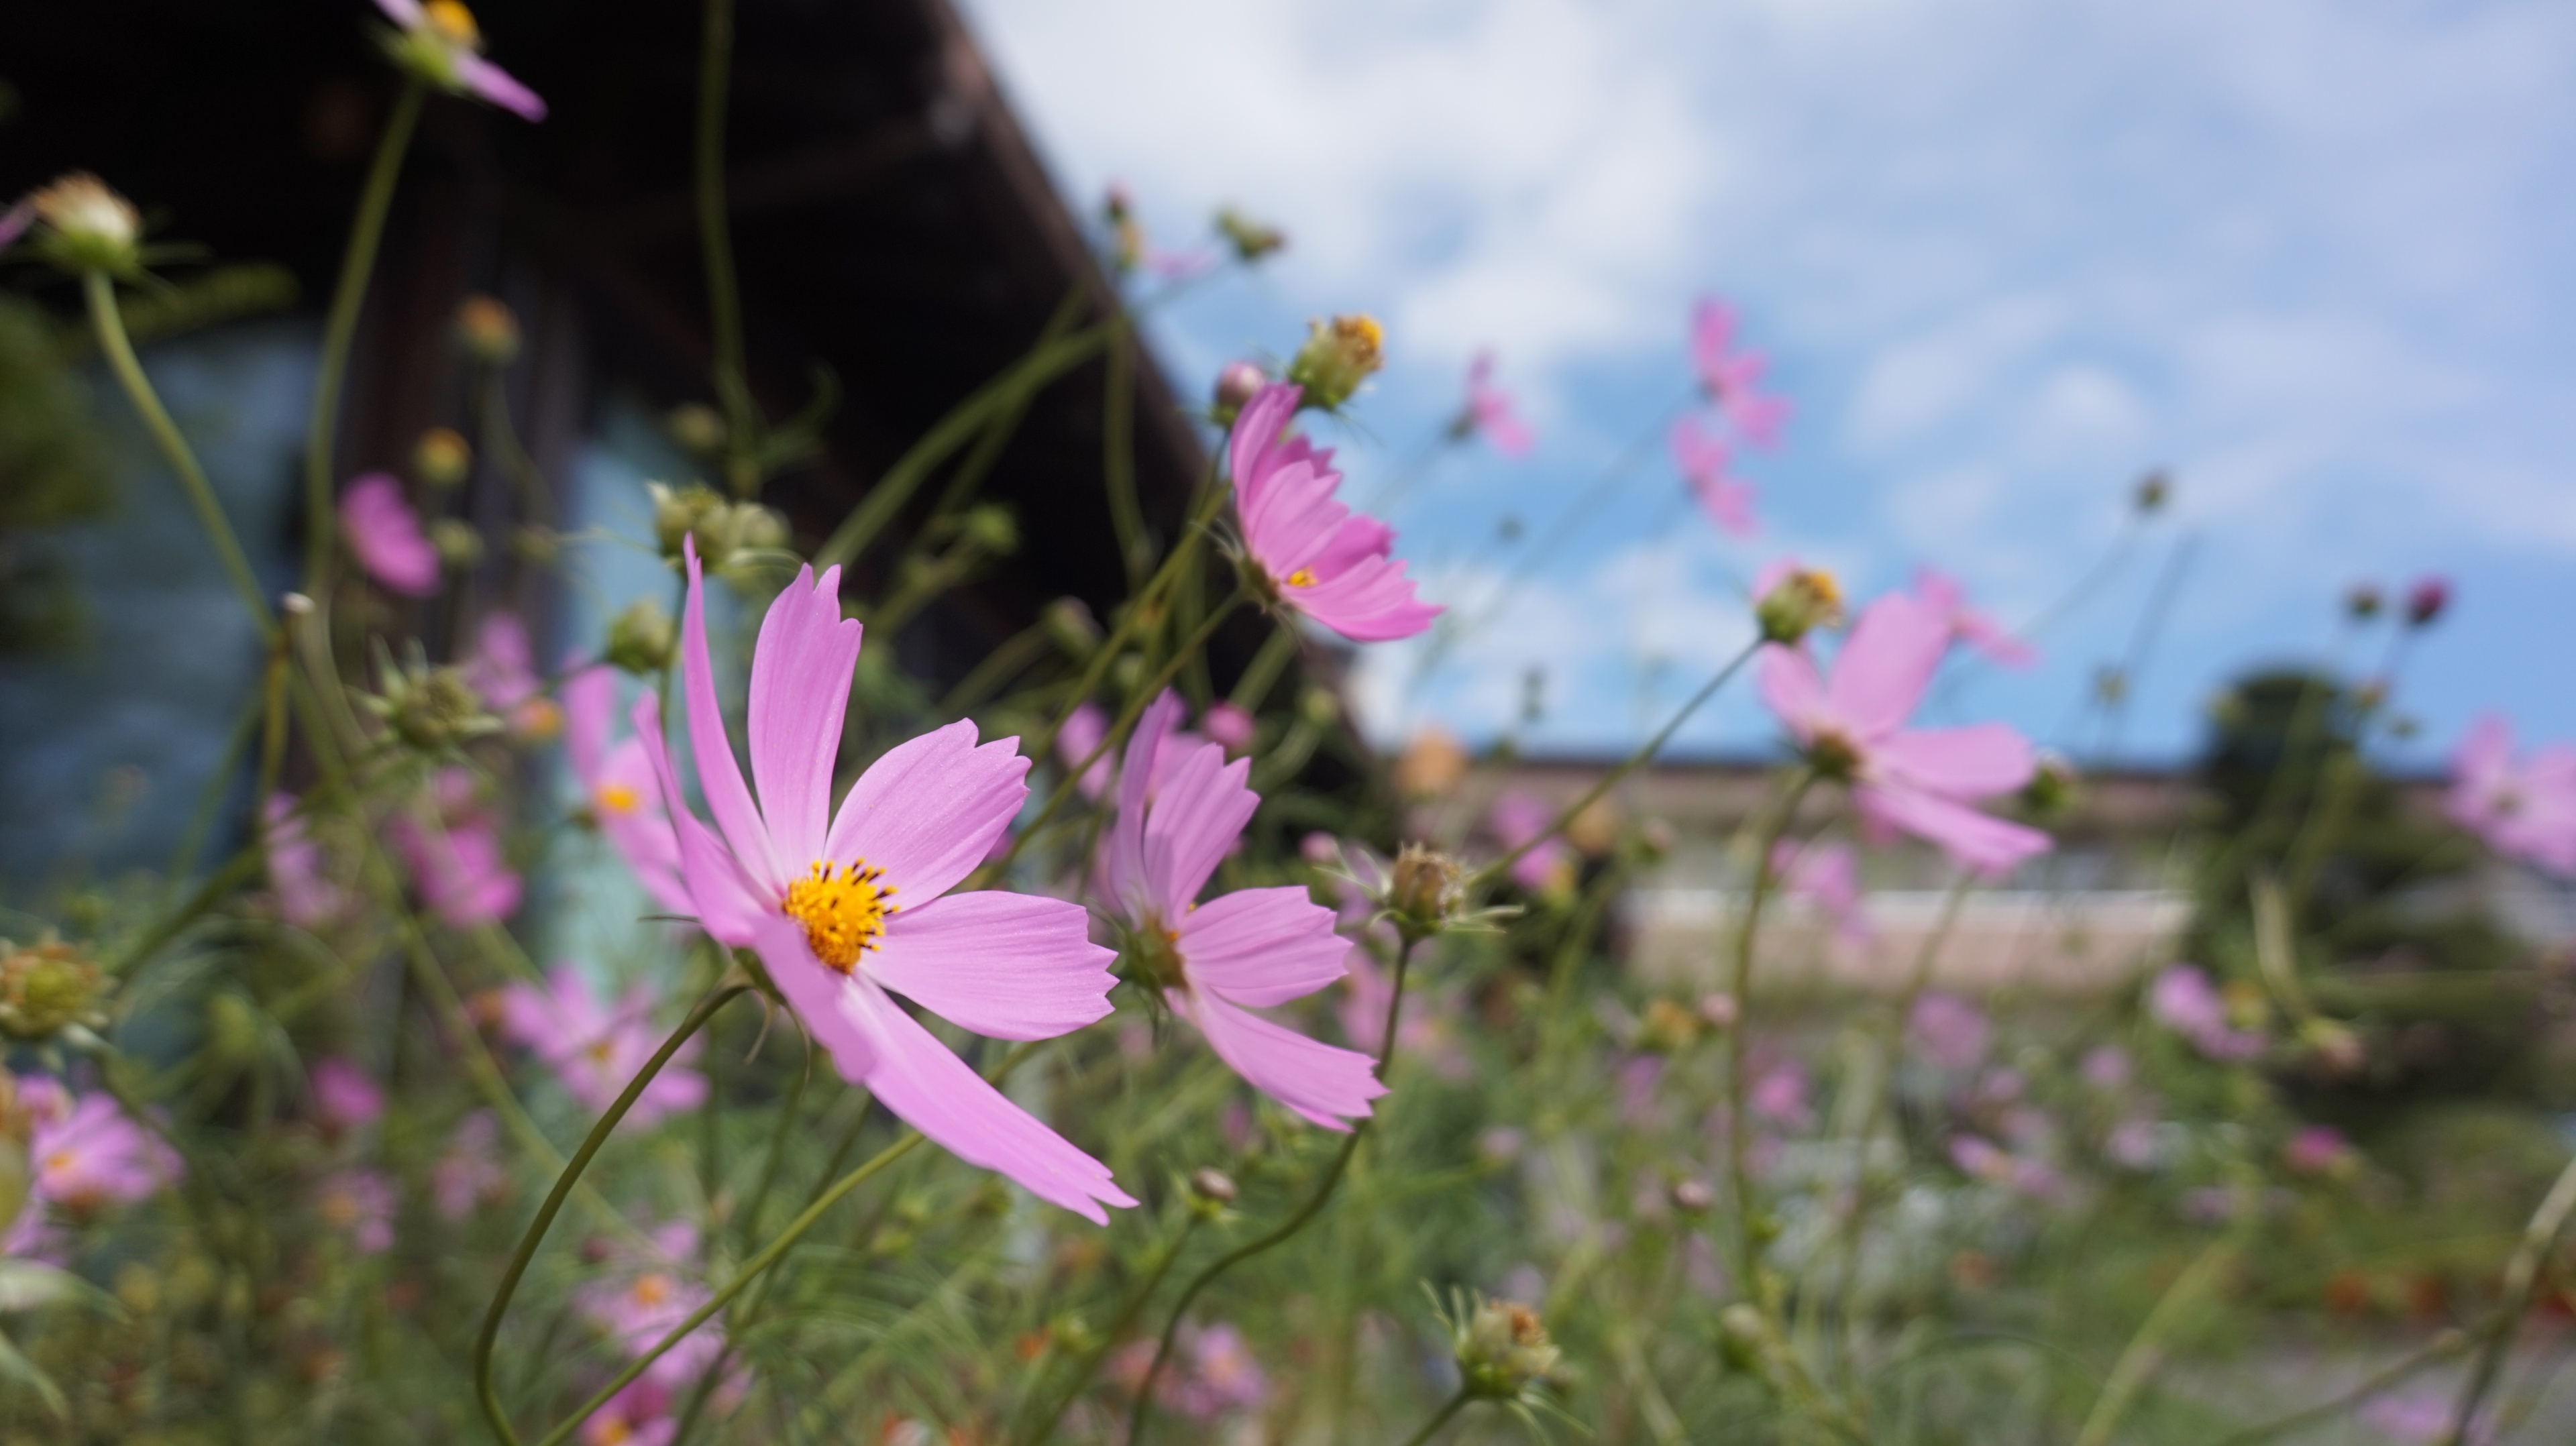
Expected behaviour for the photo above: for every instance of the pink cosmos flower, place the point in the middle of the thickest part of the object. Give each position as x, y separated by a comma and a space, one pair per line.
843, 908
469, 1172
2106, 1067
1429, 1032
1733, 377
1228, 725
1217, 961
459, 866
594, 1050
1489, 411
306, 896
2421, 1416
1951, 1032
1704, 459
1941, 593
2426, 600
384, 535
1920, 780
343, 1097
86, 1152
616, 775
1216, 1373
1515, 820
440, 40
2183, 1000
360, 1204
2522, 809
1780, 1096
639, 1415
500, 670
2134, 1144
2318, 1150
644, 1294
1321, 559
1827, 876
1080, 736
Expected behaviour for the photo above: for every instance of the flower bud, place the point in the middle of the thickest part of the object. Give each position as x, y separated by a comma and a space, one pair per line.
442, 457
992, 528
2362, 603
1804, 599
1503, 1350
489, 330
458, 544
757, 528
1719, 1010
1250, 239
1336, 358
697, 428
2154, 490
1425, 890
432, 710
1691, 1197
1667, 1028
640, 638
2052, 787
1069, 622
1743, 1336
1236, 386
88, 227
1319, 707
2426, 600
49, 986
1211, 1190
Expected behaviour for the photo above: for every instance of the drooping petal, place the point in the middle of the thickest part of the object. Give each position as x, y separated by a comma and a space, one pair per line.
1122, 868
1989, 845
1324, 1083
1885, 665
730, 906
1194, 821
800, 685
498, 86
1012, 966
928, 811
719, 776
1791, 689
627, 802
1973, 762
1262, 946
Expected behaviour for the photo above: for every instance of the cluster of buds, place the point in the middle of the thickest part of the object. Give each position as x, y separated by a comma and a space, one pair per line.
725, 530
1804, 599
1251, 240
640, 638
431, 710
459, 545
1503, 1351
1338, 356
83, 226
1236, 385
49, 987
489, 330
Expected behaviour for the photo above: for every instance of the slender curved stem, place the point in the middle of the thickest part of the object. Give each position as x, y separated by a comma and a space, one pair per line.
1262, 673
778, 1143
2521, 1277
484, 1391
2442, 1348
715, 240
119, 349
1739, 1074
1118, 460
1143, 1407
340, 329
2139, 1358
1439, 1418
1089, 1365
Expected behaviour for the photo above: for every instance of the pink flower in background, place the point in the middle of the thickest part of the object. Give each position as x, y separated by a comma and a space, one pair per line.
2318, 1150
359, 1204
2106, 1067
1919, 780
343, 1097
845, 907
2183, 1000
1322, 559
616, 776
1827, 876
501, 670
2134, 1145
2421, 1416
1780, 1096
1075, 741
85, 1151
1489, 411
469, 1172
384, 535
594, 1049
1216, 962
1228, 725
1518, 818
639, 1415
1216, 1374
1428, 1031
15, 221
439, 41
1704, 459
306, 897
1950, 1032
644, 1293
1941, 593
2523, 809
1732, 376
2427, 599
458, 864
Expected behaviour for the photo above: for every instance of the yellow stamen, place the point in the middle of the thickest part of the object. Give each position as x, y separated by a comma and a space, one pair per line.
1302, 577
60, 1160
1824, 587
652, 1289
616, 798
454, 21
843, 909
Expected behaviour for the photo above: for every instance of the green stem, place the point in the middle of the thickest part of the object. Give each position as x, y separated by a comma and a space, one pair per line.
1739, 1074
484, 1390
340, 329
1118, 460
1440, 1418
1143, 1408
2521, 1278
1006, 420
778, 1144
2146, 1349
715, 240
112, 341
1089, 1365
1266, 666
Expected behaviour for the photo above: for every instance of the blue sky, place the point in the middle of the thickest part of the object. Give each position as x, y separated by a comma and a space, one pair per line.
2006, 256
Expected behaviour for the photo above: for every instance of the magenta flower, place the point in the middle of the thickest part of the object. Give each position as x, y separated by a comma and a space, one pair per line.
306, 896
1704, 460
1228, 725
343, 1097
87, 1153
1780, 1096
440, 43
594, 1050
1826, 876
469, 1172
639, 1415
384, 534
1223, 1375
1733, 377
1216, 962
15, 221
1083, 729
1489, 411
1320, 558
1919, 780
843, 908
1941, 593
2427, 599
2318, 1150
458, 863
644, 1295
2183, 1000
500, 669
360, 1204
2522, 809
1950, 1032
1518, 818
616, 775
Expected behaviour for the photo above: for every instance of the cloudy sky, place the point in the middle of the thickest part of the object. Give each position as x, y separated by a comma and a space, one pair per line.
2006, 256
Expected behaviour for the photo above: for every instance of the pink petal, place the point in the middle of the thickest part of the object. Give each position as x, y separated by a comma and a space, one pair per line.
830, 1002
1974, 762
928, 811
1122, 870
719, 776
1974, 840
497, 86
1791, 689
800, 684
1195, 821
1373, 602
1885, 665
730, 907
1255, 429
590, 712
405, 13
1262, 946
1323, 1083
1013, 966
643, 835
384, 534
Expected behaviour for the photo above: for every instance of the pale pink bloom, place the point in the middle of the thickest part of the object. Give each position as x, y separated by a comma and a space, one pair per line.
2134, 1145
1920, 780
460, 58
15, 221
359, 1204
595, 1049
86, 1152
343, 1097
1213, 1373
1322, 559
843, 908
501, 670
616, 776
384, 534
2106, 1067
2317, 1150
639, 1415
1705, 460
1428, 1033
1982, 1159
1732, 376
469, 1171
1216, 962
1950, 1032
1941, 593
306, 896
1516, 819
1489, 411
2183, 1000
1780, 1096
1827, 876
1083, 729
459, 865
2523, 809
1229, 725
644, 1294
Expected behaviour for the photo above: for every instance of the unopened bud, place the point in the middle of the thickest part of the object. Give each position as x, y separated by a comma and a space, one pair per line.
2335, 1049
2426, 600
1338, 356
1692, 1197
697, 428
993, 529
489, 329
2154, 490
1804, 599
458, 544
1719, 1010
2363, 602
2052, 787
88, 227
640, 638
295, 605
1503, 1350
1426, 889
1319, 707
1212, 1189
432, 710
1069, 622
1236, 386
48, 986
757, 528
1250, 239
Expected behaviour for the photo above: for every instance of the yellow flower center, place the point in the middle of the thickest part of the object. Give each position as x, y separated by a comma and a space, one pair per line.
1362, 339
453, 21
611, 1431
60, 1161
1822, 584
652, 1289
599, 1052
616, 798
1302, 577
843, 909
